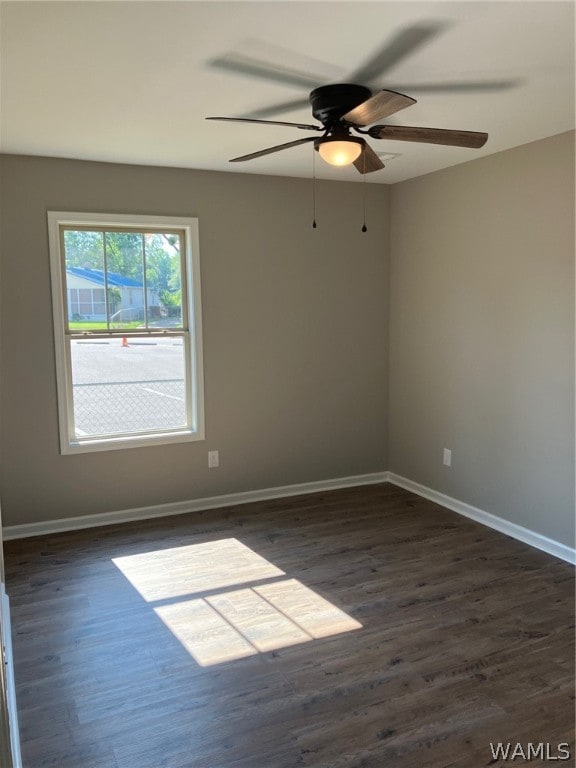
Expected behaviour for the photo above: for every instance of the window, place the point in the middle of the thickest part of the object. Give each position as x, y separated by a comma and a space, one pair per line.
127, 328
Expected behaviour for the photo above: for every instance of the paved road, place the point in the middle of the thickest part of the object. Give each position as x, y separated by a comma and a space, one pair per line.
124, 389
107, 360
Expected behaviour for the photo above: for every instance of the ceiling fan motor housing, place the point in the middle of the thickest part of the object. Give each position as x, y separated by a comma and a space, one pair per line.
330, 102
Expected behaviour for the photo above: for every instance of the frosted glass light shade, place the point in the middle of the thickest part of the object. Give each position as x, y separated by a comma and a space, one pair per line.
340, 152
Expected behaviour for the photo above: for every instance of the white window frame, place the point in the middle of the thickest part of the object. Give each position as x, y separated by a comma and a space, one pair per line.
69, 442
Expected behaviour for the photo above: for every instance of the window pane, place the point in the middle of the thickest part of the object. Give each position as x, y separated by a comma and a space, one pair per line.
164, 279
84, 260
135, 388
125, 282
125, 263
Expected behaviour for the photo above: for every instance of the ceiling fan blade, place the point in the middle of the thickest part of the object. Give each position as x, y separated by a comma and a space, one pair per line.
270, 150
470, 139
303, 126
381, 105
368, 161
401, 46
278, 109
241, 64
488, 85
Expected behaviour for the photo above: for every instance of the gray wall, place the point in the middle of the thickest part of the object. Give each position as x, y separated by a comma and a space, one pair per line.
295, 323
481, 338
482, 334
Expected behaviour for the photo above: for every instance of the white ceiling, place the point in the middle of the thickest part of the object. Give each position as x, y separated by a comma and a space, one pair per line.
132, 82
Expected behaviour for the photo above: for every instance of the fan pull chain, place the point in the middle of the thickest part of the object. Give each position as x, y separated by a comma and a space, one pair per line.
314, 225
364, 227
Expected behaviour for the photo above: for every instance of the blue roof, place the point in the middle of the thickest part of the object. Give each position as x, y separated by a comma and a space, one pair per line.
97, 276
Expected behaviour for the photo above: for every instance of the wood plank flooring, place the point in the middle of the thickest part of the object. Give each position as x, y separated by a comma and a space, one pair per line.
359, 628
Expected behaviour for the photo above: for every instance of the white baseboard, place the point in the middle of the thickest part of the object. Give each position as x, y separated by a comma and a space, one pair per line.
181, 507
525, 535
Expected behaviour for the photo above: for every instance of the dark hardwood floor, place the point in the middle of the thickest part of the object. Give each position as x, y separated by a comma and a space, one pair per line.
466, 638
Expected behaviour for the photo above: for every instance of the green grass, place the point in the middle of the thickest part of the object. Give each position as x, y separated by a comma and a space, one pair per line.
92, 325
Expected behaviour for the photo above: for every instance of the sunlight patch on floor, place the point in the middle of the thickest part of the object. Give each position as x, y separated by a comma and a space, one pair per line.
217, 626
315, 615
196, 568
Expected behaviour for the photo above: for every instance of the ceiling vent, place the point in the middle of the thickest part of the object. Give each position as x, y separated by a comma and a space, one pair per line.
386, 157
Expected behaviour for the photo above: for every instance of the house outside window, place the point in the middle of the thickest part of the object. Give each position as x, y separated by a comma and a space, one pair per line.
86, 301
127, 329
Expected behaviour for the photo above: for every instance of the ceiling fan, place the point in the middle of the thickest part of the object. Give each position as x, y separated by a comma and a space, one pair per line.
345, 107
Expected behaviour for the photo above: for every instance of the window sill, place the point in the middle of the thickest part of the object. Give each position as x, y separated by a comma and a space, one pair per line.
136, 441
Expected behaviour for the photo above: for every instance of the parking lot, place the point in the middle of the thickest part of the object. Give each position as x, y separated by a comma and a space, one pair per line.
137, 387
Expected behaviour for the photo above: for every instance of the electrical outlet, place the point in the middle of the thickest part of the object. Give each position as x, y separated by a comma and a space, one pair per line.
213, 459
447, 457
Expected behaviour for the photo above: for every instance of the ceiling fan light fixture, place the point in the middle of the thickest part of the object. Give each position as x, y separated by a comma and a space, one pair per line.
339, 151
